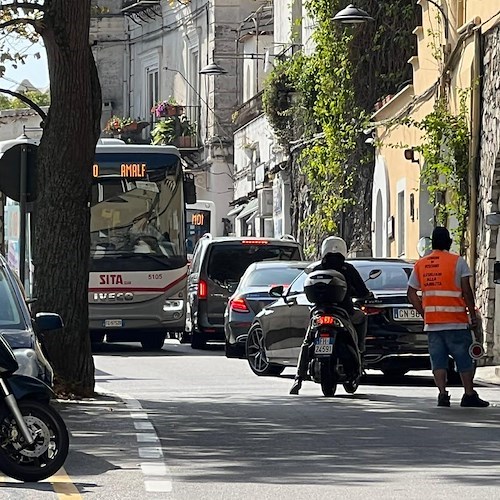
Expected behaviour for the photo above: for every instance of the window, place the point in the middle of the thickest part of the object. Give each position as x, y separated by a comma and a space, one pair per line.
153, 88
10, 316
401, 223
298, 285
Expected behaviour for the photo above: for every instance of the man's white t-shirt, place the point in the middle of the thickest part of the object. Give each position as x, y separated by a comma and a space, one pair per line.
462, 271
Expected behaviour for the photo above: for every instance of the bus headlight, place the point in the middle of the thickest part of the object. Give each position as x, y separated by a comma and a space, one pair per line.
174, 307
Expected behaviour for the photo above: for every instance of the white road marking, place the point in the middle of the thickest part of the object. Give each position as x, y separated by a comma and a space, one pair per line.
149, 437
143, 426
157, 477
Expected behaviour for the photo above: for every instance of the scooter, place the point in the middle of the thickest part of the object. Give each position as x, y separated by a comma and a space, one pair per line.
334, 355
34, 439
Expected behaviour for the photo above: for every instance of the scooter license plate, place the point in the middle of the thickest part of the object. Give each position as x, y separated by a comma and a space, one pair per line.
324, 345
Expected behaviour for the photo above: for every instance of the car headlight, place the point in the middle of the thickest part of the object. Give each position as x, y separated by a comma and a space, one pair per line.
27, 361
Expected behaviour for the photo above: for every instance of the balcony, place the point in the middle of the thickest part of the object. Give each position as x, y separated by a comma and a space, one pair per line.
130, 7
248, 111
178, 127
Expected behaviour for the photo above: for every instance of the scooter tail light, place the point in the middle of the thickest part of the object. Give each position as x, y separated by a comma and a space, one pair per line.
239, 304
329, 321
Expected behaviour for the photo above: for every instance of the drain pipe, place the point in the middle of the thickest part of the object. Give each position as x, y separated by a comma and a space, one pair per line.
475, 147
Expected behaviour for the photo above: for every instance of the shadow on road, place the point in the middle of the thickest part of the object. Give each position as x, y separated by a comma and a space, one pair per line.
347, 440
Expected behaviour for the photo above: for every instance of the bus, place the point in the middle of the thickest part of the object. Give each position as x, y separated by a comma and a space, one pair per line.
137, 283
200, 219
138, 265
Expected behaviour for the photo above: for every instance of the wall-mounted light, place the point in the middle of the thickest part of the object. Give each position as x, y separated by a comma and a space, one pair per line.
410, 155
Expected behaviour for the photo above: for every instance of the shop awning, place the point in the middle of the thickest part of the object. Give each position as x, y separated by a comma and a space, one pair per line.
235, 210
249, 208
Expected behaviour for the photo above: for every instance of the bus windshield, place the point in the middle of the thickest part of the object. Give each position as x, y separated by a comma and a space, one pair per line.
137, 212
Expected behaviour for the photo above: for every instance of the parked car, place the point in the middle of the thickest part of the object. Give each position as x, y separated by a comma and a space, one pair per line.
20, 330
395, 342
218, 264
251, 296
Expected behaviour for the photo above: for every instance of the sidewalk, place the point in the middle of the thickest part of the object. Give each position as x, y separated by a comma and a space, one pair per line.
488, 374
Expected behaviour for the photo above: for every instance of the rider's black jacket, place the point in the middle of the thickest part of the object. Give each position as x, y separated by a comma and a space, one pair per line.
355, 285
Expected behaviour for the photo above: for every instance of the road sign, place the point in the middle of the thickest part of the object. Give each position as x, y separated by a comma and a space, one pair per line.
10, 172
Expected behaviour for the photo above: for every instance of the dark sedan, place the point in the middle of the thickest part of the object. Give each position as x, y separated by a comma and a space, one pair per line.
18, 328
251, 296
395, 342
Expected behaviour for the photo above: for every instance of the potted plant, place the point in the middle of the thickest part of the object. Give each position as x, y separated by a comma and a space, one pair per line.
117, 125
188, 132
164, 132
167, 108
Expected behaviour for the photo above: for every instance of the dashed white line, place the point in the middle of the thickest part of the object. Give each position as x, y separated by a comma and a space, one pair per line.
157, 477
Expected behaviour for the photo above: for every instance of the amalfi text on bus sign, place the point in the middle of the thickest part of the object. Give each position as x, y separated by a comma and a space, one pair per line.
130, 170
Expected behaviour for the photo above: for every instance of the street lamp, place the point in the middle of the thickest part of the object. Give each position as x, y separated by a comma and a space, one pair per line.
352, 15
212, 68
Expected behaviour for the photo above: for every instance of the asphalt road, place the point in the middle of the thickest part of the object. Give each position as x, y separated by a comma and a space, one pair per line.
194, 425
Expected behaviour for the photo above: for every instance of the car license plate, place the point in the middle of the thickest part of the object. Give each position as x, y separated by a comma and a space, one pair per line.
324, 345
113, 323
406, 314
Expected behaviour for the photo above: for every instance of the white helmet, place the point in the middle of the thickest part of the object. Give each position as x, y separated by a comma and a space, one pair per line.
334, 244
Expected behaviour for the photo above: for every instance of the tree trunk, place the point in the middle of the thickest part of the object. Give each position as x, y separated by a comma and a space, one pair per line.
65, 157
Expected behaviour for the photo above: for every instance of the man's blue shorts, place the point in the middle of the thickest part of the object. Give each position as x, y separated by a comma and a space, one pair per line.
454, 343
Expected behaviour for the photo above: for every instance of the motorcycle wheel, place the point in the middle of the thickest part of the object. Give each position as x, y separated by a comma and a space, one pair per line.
327, 378
46, 456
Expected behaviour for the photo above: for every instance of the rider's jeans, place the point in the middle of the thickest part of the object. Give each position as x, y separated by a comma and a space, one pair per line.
358, 320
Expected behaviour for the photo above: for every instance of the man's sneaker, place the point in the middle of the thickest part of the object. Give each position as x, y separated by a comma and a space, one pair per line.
444, 399
296, 386
473, 401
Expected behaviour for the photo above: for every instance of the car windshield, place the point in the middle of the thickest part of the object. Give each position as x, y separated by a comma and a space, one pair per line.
393, 277
227, 263
269, 276
10, 315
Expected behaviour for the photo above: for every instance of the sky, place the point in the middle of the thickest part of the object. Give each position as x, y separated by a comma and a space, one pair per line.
35, 70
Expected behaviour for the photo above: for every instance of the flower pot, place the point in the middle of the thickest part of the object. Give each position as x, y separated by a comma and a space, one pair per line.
131, 127
185, 141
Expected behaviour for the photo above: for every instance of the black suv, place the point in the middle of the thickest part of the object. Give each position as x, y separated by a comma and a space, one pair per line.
217, 266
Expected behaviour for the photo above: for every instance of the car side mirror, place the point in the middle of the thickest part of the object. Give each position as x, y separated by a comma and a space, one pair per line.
232, 287
277, 291
45, 322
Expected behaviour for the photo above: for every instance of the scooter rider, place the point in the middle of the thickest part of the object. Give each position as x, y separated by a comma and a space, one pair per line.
333, 255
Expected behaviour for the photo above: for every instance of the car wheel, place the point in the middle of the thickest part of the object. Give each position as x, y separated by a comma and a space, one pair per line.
394, 373
153, 342
198, 341
235, 350
256, 354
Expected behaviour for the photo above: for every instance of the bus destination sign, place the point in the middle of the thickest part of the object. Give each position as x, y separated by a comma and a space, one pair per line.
126, 170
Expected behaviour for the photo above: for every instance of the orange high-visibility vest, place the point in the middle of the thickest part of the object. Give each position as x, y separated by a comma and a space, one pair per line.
442, 300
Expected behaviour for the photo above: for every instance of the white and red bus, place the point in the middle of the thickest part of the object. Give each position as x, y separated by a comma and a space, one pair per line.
137, 284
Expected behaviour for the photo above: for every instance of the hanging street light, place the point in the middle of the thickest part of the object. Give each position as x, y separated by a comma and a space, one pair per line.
352, 15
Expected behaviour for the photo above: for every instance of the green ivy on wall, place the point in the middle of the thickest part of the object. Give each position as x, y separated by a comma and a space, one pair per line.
319, 103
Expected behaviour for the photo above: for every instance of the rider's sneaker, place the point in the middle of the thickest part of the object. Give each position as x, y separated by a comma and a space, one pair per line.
473, 401
296, 386
444, 399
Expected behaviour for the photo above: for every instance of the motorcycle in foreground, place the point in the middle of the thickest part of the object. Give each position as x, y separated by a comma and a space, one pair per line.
34, 440
334, 354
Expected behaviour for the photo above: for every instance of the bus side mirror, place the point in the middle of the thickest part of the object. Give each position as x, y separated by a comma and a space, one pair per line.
189, 189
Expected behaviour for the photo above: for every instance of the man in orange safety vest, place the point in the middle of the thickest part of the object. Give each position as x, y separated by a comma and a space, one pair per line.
448, 308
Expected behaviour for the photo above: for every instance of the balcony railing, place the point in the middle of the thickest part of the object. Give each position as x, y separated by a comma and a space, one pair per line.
248, 110
137, 6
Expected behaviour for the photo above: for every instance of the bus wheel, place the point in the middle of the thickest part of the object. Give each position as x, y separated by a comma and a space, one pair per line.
153, 342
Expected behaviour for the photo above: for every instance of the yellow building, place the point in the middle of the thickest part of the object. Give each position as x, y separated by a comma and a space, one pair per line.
458, 49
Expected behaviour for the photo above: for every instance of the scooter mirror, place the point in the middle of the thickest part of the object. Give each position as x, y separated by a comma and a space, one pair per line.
374, 274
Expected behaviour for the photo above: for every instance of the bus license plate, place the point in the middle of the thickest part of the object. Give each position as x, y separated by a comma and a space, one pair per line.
113, 323
324, 345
